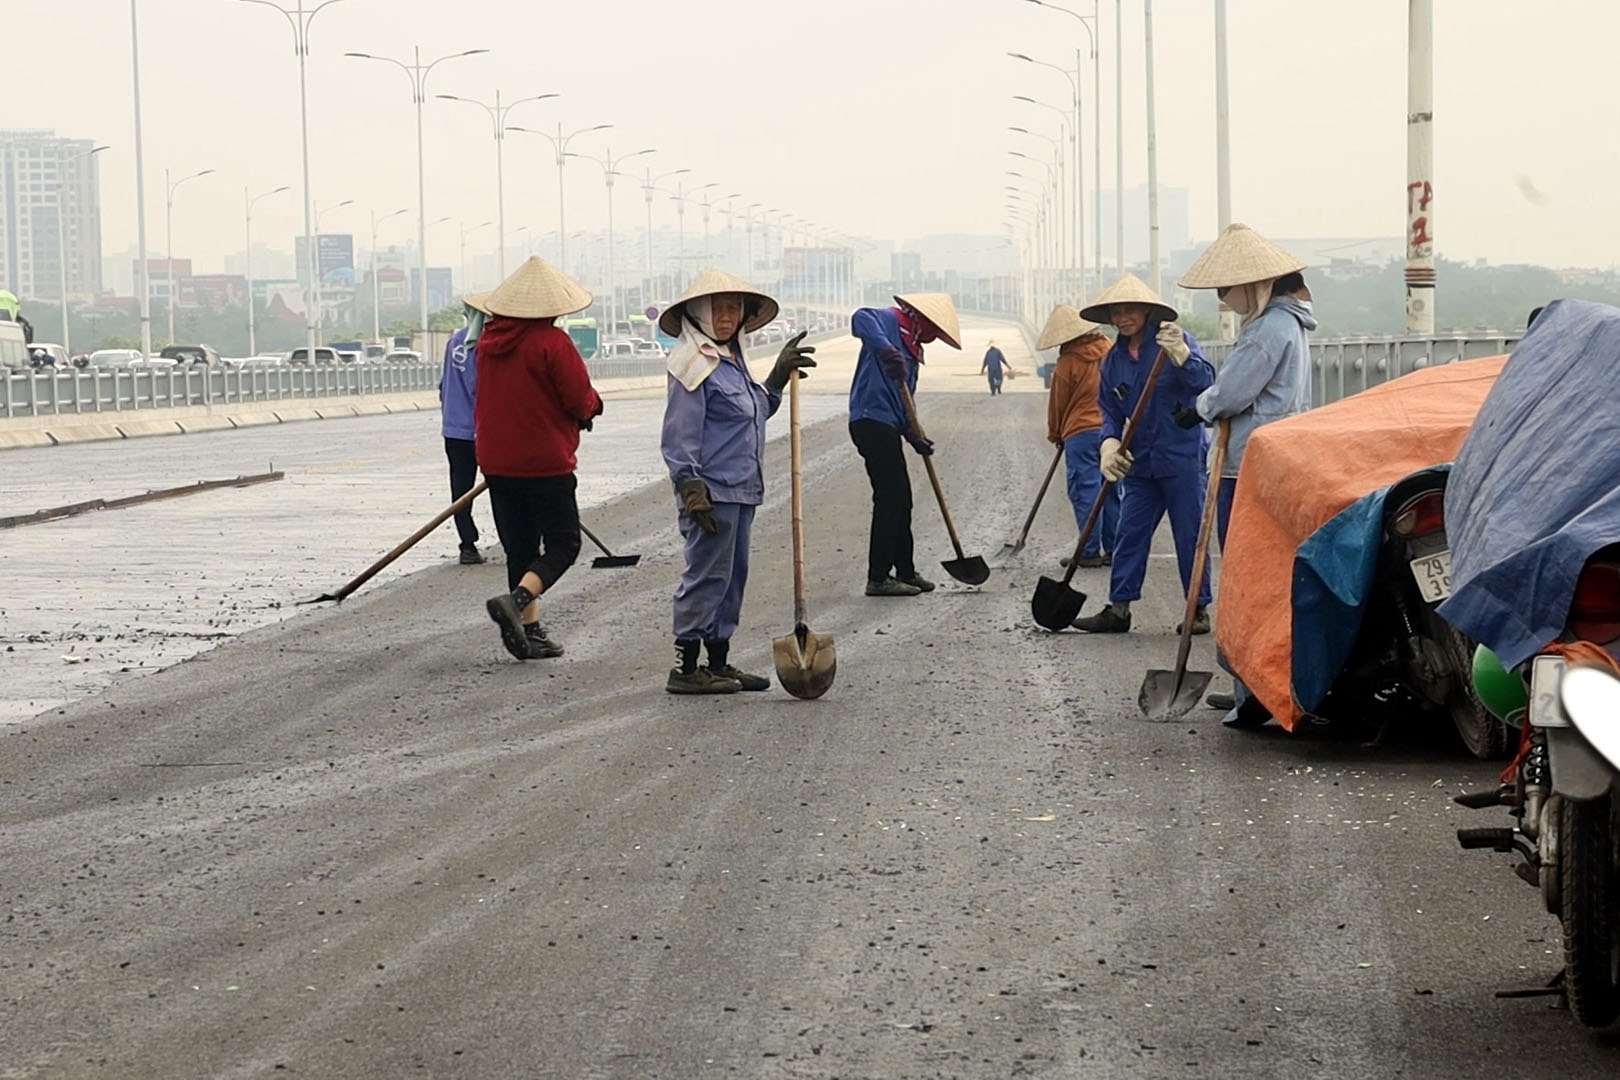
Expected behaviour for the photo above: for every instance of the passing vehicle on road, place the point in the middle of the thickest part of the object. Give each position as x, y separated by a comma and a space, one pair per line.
649, 350
113, 358
158, 361
13, 347
616, 350
300, 356
402, 356
44, 354
205, 355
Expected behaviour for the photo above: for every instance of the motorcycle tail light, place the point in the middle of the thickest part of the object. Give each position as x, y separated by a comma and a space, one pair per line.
1594, 614
1421, 514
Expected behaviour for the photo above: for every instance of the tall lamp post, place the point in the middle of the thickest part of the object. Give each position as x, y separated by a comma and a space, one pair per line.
731, 230
681, 195
610, 169
300, 19
418, 74
1079, 232
247, 216
144, 272
559, 147
1092, 30
466, 283
376, 283
315, 269
649, 186
61, 238
497, 118
168, 234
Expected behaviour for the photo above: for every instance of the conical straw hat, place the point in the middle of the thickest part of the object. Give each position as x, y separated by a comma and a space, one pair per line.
478, 301
537, 290
939, 309
1237, 257
713, 283
1129, 289
1064, 325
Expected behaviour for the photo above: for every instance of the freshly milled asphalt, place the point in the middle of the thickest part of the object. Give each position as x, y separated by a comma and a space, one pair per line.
365, 843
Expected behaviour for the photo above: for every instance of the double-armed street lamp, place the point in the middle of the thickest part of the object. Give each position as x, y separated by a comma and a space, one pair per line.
376, 282
170, 187
248, 203
497, 116
61, 236
559, 148
610, 169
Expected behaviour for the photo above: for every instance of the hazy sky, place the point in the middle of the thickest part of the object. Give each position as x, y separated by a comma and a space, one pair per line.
885, 117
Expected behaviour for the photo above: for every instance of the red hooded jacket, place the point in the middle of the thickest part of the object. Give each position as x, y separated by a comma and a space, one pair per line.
533, 394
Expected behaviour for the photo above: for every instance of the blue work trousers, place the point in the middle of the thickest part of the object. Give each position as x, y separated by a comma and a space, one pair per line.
708, 601
1080, 463
1146, 499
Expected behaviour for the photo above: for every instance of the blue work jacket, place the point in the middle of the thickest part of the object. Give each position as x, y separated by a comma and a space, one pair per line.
458, 387
1161, 447
717, 433
872, 394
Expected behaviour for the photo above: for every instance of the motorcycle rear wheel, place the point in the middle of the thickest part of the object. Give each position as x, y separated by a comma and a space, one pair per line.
1486, 737
1589, 864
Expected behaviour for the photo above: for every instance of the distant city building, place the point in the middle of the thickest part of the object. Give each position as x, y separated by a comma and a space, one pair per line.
43, 176
212, 292
158, 273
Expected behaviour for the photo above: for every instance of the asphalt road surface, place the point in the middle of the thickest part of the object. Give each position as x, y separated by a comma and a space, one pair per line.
365, 843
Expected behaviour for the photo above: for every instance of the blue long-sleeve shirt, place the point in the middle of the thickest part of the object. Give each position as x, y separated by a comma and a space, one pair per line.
458, 387
872, 394
1266, 377
717, 433
1160, 447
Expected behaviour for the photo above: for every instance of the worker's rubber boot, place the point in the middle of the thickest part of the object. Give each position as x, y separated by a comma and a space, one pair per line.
1200, 621
540, 646
507, 613
688, 678
1113, 619
720, 666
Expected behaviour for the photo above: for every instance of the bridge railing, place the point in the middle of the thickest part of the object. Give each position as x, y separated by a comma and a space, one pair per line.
1345, 366
52, 392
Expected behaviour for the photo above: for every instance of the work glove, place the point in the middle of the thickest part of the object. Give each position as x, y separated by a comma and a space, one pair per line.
793, 357
923, 446
1174, 345
1115, 462
1186, 417
894, 365
694, 495
587, 423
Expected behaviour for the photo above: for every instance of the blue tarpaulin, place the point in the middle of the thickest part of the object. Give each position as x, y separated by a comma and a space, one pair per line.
1535, 490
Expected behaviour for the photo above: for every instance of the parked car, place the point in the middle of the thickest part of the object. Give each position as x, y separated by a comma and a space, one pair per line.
616, 350
190, 354
650, 350
323, 355
44, 354
347, 356
266, 359
114, 358
159, 361
402, 356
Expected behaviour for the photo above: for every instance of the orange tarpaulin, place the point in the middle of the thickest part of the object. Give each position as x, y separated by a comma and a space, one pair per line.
1300, 472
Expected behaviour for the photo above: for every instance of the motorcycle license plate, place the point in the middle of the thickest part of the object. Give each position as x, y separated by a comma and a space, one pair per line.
1433, 576
1546, 672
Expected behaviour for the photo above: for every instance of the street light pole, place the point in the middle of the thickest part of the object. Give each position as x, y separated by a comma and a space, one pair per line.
248, 204
144, 276
1223, 152
417, 72
610, 165
466, 283
559, 147
1420, 167
315, 270
61, 240
1078, 233
376, 284
1152, 149
647, 189
497, 116
168, 235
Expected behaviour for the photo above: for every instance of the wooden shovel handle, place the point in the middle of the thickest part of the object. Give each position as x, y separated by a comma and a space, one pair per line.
1205, 528
928, 463
412, 540
798, 500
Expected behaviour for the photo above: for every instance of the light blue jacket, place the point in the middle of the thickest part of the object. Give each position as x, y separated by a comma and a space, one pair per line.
1266, 377
717, 433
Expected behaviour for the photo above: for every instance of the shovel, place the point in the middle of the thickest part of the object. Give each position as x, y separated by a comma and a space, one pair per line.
1168, 694
607, 560
805, 662
405, 545
1055, 605
1009, 550
969, 570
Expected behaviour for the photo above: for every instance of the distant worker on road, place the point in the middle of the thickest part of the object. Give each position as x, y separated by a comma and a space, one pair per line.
994, 364
1266, 377
714, 444
1164, 469
1074, 422
457, 387
534, 398
892, 341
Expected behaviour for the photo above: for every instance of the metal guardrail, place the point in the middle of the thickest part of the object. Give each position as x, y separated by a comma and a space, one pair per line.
1345, 366
643, 366
48, 392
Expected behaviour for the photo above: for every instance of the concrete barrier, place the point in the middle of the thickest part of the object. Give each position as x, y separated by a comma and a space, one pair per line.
17, 440
131, 429
77, 433
305, 413
253, 419
335, 412
215, 422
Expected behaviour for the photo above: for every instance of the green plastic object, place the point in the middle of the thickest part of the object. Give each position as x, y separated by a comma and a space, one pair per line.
1501, 691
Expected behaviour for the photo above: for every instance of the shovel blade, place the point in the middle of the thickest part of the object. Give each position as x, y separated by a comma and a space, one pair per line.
1055, 605
324, 598
806, 663
614, 562
1007, 553
1166, 697
972, 570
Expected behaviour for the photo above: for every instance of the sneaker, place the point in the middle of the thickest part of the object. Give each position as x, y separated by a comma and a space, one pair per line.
1113, 619
891, 587
1091, 562
508, 616
741, 678
1200, 622
470, 556
1223, 702
700, 681
540, 646
916, 581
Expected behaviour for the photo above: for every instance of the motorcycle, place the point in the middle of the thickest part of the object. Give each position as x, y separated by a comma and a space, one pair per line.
1564, 790
1407, 659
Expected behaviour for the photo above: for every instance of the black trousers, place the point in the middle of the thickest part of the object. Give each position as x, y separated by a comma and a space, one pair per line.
463, 475
531, 511
890, 545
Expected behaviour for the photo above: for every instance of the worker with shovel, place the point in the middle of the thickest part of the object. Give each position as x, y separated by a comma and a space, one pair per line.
1164, 470
534, 398
1266, 377
1074, 423
714, 445
892, 341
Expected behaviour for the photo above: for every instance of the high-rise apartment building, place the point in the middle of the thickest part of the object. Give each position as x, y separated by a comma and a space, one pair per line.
50, 209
